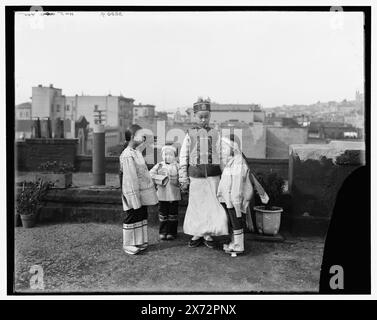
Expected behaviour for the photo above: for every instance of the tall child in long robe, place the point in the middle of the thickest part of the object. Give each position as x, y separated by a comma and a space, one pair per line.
200, 174
138, 192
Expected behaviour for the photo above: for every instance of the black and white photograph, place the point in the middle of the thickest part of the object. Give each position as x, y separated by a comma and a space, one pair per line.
188, 150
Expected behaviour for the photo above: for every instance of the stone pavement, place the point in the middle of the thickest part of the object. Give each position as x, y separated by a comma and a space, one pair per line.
89, 258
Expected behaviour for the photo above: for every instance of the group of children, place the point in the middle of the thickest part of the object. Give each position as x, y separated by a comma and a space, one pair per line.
219, 192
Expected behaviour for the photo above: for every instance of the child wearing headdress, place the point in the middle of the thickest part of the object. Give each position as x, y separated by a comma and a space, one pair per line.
199, 174
235, 191
165, 177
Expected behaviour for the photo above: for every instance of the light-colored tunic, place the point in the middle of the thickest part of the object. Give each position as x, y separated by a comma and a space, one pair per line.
205, 215
137, 187
235, 188
165, 176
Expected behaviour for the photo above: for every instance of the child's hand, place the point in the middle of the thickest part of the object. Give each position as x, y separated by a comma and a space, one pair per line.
165, 181
185, 187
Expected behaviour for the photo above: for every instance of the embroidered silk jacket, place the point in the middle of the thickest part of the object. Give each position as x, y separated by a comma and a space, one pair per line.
137, 185
199, 155
165, 176
235, 188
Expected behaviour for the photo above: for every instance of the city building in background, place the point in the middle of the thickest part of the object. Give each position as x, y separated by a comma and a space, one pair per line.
143, 111
50, 102
23, 111
115, 112
47, 102
23, 120
248, 113
265, 133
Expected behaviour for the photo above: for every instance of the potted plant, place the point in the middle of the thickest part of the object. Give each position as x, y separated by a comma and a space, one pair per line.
28, 201
268, 216
58, 173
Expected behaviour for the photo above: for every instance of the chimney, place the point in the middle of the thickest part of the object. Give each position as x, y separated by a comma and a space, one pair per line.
39, 85
51, 85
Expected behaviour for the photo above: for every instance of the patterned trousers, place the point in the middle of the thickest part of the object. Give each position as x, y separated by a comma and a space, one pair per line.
235, 230
234, 222
168, 216
135, 230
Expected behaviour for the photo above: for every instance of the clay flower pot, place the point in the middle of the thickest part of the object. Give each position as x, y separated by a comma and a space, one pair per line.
268, 220
28, 220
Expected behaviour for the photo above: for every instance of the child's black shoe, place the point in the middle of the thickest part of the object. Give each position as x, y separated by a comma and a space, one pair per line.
195, 243
210, 244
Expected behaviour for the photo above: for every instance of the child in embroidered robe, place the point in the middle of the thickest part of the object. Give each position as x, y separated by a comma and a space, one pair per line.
138, 192
165, 176
199, 174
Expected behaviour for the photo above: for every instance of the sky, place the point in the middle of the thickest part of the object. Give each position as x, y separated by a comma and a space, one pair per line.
169, 59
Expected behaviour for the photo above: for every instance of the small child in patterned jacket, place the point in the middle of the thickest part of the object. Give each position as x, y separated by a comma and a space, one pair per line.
165, 176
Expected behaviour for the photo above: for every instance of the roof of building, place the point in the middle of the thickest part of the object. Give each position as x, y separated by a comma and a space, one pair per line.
88, 96
144, 105
327, 124
234, 107
236, 124
25, 105
126, 99
231, 107
272, 119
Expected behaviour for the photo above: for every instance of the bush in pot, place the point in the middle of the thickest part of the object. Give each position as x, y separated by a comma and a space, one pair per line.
268, 216
29, 199
57, 172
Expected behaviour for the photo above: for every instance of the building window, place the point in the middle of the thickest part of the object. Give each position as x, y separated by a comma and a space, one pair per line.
67, 107
57, 108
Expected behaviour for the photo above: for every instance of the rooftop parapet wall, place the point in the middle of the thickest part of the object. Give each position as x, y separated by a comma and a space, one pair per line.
280, 166
316, 173
332, 150
280, 138
31, 153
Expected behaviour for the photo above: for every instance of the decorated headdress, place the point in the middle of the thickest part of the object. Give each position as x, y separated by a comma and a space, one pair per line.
202, 105
169, 147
